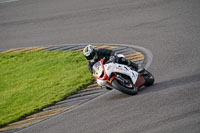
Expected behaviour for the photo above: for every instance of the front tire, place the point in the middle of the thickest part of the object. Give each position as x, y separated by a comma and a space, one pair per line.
123, 89
108, 88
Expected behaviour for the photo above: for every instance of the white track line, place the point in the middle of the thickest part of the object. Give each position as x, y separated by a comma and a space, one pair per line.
6, 1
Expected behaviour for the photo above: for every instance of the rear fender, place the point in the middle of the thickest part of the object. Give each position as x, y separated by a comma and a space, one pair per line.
140, 81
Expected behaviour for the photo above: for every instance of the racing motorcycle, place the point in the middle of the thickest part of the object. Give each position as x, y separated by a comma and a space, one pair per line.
120, 77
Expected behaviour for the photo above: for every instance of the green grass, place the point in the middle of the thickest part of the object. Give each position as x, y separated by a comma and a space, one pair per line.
30, 81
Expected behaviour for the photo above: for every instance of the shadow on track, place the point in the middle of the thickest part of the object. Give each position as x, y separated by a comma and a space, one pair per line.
171, 83
116, 95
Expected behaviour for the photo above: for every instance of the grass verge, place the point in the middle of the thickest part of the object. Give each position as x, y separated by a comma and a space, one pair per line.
30, 81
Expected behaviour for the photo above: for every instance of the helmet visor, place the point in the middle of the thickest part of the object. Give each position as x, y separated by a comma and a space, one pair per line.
91, 56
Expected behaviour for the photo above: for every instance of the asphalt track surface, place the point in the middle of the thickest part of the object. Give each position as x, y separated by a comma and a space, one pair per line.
170, 29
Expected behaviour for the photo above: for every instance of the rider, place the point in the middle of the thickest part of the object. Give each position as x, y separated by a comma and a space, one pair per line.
94, 55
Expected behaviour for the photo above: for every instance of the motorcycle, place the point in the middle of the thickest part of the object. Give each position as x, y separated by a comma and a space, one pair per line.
120, 77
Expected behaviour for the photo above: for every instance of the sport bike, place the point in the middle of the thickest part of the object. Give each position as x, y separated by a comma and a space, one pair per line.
120, 77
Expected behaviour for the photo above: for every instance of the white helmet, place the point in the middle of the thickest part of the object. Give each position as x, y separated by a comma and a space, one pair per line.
89, 52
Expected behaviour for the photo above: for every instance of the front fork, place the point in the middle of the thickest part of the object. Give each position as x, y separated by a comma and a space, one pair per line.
139, 82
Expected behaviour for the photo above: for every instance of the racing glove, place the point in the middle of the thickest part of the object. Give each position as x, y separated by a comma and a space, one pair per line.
113, 59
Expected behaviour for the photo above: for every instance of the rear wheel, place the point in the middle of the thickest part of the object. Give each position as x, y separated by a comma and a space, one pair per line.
149, 79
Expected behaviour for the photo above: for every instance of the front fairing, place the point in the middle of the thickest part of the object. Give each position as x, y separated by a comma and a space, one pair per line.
97, 69
123, 69
99, 73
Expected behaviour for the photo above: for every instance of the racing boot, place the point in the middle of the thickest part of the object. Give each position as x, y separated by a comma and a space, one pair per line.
141, 70
133, 65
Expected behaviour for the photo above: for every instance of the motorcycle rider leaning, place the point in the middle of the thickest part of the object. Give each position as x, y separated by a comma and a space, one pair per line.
94, 55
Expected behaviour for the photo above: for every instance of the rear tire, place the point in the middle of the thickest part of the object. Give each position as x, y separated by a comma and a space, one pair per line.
123, 89
149, 79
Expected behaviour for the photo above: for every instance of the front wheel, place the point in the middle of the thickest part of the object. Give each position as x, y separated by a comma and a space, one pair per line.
123, 89
108, 88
